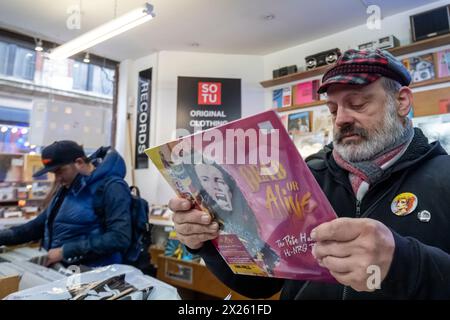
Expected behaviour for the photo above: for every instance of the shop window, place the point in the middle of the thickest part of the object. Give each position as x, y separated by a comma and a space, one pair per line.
24, 63
80, 76
14, 139
102, 80
93, 78
3, 58
17, 61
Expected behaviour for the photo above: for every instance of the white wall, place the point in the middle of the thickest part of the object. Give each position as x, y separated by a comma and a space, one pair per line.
126, 130
167, 66
397, 25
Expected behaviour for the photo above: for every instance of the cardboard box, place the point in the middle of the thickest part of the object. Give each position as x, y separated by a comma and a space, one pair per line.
11, 167
8, 285
33, 163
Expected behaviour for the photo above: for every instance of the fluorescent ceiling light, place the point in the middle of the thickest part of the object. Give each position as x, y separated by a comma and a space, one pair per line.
104, 32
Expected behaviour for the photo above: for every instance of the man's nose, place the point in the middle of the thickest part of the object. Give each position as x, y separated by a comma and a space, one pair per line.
343, 117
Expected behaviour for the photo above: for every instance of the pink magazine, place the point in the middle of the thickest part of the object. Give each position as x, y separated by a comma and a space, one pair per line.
250, 177
306, 92
443, 66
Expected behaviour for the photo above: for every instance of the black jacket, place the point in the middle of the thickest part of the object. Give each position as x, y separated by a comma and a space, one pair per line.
421, 265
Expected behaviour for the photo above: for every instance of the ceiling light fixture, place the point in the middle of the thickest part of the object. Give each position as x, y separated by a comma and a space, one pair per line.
39, 46
86, 58
269, 17
104, 32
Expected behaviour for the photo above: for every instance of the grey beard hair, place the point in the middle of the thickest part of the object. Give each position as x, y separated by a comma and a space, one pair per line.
383, 136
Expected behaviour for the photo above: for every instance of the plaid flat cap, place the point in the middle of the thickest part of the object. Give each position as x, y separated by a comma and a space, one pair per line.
362, 67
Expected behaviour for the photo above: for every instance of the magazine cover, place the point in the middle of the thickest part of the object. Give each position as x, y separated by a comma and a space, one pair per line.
306, 92
322, 122
421, 67
444, 106
249, 176
282, 97
299, 122
443, 64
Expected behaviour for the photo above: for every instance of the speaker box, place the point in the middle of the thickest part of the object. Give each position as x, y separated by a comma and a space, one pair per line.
430, 23
276, 73
284, 71
322, 58
388, 42
368, 45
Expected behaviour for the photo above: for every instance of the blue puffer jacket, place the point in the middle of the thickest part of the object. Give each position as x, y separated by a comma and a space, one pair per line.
86, 239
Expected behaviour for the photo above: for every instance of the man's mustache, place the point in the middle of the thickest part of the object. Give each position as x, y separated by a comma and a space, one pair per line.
349, 130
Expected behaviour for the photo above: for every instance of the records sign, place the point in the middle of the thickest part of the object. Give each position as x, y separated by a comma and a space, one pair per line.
143, 118
207, 102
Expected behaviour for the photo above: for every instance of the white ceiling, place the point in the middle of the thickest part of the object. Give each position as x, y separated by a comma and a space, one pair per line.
220, 26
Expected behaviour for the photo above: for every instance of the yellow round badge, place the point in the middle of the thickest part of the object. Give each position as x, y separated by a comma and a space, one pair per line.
404, 204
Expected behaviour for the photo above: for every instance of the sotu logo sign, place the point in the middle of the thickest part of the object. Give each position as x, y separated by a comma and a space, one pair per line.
210, 93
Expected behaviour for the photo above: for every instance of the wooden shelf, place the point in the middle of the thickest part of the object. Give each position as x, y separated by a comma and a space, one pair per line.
398, 51
160, 221
323, 102
15, 201
302, 106
194, 276
9, 222
294, 77
421, 45
429, 82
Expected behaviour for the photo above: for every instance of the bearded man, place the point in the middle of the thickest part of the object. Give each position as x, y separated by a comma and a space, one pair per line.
377, 161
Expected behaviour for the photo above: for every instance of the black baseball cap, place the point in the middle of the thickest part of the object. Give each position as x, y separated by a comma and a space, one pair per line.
59, 153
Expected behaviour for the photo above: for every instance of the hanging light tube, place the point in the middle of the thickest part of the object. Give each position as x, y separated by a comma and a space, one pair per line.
104, 32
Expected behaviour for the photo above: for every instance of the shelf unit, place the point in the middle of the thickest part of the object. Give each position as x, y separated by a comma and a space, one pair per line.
323, 102
398, 51
306, 105
429, 82
295, 77
421, 45
161, 222
17, 200
16, 221
195, 277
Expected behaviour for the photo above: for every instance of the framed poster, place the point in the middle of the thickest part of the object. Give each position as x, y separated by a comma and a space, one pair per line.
299, 122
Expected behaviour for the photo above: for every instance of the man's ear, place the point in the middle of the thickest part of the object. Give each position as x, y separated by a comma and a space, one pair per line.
79, 163
405, 101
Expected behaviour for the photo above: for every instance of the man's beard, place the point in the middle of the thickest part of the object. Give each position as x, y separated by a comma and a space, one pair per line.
384, 135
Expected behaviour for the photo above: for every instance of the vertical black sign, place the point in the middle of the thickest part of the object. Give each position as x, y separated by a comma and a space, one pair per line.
207, 102
143, 118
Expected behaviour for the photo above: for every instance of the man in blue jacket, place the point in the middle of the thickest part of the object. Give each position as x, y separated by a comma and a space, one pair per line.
69, 227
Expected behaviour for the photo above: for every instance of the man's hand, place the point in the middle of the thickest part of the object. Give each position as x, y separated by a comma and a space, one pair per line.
54, 256
347, 247
193, 227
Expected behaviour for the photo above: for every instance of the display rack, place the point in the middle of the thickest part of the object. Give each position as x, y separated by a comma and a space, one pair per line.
398, 51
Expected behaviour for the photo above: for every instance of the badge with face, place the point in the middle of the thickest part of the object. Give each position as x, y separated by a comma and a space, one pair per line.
404, 203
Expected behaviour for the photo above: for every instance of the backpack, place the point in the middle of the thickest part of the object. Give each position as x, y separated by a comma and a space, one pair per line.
141, 228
